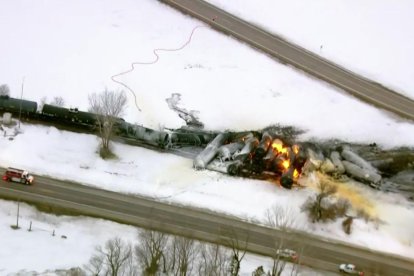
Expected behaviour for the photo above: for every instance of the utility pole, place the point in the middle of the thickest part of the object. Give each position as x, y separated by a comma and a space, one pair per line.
18, 209
21, 97
15, 227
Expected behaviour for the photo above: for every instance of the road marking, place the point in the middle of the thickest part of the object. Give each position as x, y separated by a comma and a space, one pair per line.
308, 54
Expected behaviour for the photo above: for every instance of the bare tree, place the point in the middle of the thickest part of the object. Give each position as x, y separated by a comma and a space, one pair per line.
111, 259
4, 90
314, 205
116, 254
182, 255
95, 265
150, 251
58, 101
131, 268
213, 260
108, 106
282, 218
325, 189
238, 248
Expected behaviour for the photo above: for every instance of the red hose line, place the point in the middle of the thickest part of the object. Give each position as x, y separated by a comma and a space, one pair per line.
157, 57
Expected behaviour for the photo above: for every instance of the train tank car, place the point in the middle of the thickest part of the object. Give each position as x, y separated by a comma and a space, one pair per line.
179, 139
69, 115
203, 137
160, 139
17, 106
210, 152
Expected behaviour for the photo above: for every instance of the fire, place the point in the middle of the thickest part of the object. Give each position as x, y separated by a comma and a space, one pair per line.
285, 160
295, 149
278, 146
286, 164
295, 174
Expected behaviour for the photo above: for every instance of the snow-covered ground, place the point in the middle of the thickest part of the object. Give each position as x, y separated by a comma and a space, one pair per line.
71, 49
370, 37
39, 250
166, 177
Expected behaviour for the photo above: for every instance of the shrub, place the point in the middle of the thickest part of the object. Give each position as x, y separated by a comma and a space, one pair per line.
346, 225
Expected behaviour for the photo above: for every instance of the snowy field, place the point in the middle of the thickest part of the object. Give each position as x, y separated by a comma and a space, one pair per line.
166, 177
71, 49
370, 37
233, 86
39, 251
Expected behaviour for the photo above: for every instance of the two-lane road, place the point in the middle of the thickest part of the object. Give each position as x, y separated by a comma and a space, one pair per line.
297, 56
200, 224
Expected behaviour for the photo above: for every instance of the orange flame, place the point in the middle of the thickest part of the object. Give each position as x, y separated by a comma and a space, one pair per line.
278, 146
286, 164
295, 174
295, 149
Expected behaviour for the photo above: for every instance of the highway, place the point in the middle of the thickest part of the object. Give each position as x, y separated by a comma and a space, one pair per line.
199, 224
288, 53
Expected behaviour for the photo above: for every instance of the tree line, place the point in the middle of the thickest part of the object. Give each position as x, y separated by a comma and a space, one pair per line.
158, 254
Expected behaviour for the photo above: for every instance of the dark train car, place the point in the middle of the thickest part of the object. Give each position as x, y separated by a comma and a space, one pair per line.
190, 136
179, 139
86, 117
119, 126
145, 135
17, 106
69, 115
162, 139
56, 111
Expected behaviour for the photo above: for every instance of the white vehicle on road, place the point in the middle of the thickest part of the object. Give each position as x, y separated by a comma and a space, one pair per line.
286, 253
350, 269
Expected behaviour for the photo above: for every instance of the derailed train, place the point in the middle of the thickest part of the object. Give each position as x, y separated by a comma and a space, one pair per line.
88, 121
255, 155
239, 153
164, 139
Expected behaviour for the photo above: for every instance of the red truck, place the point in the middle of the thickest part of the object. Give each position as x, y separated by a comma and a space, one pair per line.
17, 175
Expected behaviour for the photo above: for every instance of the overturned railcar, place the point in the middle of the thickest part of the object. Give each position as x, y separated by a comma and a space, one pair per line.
209, 153
161, 138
